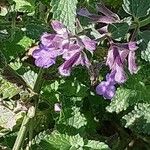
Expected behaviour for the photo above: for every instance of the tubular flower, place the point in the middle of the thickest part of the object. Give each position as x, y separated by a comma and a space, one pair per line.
63, 43
107, 88
50, 46
106, 17
75, 55
117, 55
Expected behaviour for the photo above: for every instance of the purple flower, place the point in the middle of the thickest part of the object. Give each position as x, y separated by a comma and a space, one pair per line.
107, 88
114, 61
75, 55
63, 43
43, 58
106, 17
116, 58
50, 46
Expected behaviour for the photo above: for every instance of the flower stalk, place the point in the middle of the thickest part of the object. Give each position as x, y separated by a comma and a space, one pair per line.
30, 114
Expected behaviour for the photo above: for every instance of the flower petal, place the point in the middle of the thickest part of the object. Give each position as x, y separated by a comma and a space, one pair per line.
88, 43
131, 63
83, 12
120, 76
59, 27
43, 58
101, 88
104, 10
132, 46
65, 68
64, 72
69, 63
57, 107
105, 19
110, 58
110, 77
44, 62
110, 92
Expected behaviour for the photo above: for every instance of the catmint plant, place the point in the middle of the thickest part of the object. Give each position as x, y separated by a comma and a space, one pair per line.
74, 74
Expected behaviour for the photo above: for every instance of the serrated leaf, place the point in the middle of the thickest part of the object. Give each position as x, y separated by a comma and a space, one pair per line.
96, 145
24, 6
118, 30
72, 87
7, 118
145, 45
34, 31
146, 53
139, 118
7, 89
121, 101
16, 64
30, 78
11, 48
64, 141
73, 117
25, 42
65, 11
137, 8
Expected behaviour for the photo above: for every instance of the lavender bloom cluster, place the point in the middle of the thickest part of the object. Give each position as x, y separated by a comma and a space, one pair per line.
118, 54
72, 49
64, 44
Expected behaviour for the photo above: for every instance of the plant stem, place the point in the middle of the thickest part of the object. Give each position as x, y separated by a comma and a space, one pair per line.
21, 134
141, 23
134, 33
30, 115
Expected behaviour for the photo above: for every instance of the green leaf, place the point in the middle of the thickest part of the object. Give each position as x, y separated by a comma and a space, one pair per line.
145, 45
17, 64
3, 11
139, 118
137, 8
96, 145
7, 89
122, 100
25, 42
34, 30
113, 3
72, 87
118, 30
13, 47
65, 11
30, 78
7, 118
73, 117
57, 140
24, 6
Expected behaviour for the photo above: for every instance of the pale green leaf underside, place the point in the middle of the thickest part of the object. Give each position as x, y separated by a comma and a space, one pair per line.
74, 118
121, 101
7, 89
139, 118
30, 78
64, 141
65, 11
96, 145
